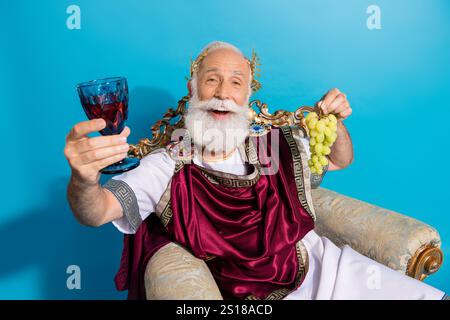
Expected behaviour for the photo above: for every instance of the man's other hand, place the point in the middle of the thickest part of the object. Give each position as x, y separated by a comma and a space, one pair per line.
335, 102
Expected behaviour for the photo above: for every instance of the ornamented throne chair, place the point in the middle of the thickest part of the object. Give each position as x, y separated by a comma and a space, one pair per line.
393, 239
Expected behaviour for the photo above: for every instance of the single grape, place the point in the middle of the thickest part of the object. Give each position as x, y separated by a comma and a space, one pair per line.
320, 126
312, 123
310, 116
332, 126
320, 137
315, 159
323, 160
318, 148
318, 167
332, 118
332, 138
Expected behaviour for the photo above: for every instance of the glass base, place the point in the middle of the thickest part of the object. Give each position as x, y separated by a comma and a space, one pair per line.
126, 164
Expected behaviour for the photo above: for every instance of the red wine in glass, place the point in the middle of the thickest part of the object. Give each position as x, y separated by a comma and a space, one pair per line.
108, 99
113, 112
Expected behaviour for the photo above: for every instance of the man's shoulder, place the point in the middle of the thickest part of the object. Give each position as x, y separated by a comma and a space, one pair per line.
157, 155
155, 161
154, 171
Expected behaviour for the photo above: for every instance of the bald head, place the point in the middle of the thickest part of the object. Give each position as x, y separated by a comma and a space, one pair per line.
228, 61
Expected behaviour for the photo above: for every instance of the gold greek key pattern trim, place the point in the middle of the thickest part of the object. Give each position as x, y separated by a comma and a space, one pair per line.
298, 170
251, 153
127, 198
230, 180
164, 207
303, 264
166, 215
178, 166
298, 134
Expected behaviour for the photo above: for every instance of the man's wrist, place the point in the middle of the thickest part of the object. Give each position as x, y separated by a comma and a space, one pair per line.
81, 182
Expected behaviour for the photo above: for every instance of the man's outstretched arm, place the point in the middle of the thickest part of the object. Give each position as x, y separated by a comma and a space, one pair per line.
91, 204
341, 155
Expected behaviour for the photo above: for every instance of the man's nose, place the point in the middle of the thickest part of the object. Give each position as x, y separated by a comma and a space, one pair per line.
223, 91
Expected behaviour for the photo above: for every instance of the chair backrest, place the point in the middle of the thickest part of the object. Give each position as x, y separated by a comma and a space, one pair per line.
173, 119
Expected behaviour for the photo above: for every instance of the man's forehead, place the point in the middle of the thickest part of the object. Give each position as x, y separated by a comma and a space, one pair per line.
212, 69
225, 60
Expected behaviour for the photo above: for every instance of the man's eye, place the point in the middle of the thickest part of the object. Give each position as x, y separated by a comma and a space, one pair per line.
211, 80
236, 83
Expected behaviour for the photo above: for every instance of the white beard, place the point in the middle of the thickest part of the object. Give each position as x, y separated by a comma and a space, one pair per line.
218, 136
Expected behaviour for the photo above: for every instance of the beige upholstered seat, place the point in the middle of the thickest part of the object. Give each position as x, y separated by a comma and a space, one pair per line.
174, 273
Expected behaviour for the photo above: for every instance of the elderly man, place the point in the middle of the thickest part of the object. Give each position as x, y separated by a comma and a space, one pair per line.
252, 223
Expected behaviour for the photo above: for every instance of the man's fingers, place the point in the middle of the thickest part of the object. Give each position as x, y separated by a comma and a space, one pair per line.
81, 129
125, 132
89, 144
96, 166
337, 105
102, 153
100, 164
329, 98
342, 107
347, 112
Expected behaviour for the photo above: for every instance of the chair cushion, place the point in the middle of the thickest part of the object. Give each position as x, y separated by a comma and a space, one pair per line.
173, 273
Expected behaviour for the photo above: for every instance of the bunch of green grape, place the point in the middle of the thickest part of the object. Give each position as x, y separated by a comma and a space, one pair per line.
322, 135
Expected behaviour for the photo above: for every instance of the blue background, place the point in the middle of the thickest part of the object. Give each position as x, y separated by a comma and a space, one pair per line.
396, 80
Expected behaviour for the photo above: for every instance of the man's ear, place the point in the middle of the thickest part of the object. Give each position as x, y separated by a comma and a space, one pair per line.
189, 86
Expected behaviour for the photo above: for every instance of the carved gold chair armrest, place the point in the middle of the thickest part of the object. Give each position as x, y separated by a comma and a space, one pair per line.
395, 240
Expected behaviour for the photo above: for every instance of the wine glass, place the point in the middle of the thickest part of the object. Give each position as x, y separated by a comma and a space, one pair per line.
108, 99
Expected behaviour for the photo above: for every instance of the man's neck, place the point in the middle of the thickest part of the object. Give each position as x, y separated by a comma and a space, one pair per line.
211, 156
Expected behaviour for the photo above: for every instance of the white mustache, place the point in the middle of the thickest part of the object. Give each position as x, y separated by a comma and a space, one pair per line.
219, 105
223, 135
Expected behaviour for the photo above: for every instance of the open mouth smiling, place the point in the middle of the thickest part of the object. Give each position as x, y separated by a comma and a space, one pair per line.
220, 111
218, 114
